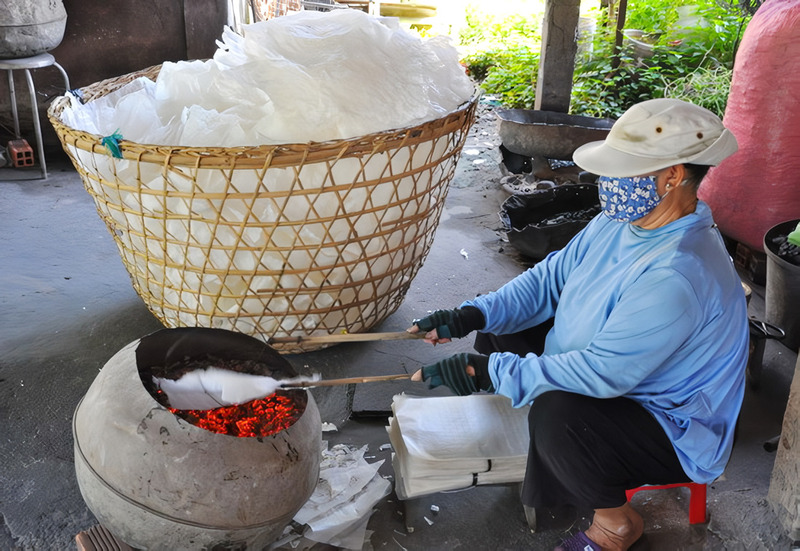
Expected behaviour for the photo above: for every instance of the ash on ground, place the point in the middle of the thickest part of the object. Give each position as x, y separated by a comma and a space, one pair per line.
523, 175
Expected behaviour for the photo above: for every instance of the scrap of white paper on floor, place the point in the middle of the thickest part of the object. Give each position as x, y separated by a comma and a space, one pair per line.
338, 511
448, 443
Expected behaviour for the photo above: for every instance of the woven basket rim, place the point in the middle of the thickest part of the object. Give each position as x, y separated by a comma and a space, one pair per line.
364, 142
364, 289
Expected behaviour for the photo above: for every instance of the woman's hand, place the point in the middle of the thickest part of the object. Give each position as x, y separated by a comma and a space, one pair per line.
444, 325
463, 373
431, 336
417, 376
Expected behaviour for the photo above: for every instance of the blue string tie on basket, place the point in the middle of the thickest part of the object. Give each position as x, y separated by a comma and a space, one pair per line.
112, 144
77, 93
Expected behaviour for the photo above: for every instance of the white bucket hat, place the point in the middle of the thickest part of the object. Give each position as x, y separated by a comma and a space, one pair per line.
656, 134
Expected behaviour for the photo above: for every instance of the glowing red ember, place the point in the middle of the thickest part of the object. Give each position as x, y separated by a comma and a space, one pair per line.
257, 418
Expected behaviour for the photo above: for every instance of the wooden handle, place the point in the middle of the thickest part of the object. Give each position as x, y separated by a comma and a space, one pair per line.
349, 381
346, 337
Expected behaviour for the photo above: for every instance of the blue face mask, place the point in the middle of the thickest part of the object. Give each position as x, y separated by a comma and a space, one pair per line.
628, 199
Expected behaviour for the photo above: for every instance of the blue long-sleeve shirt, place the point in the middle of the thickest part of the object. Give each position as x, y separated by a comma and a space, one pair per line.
658, 316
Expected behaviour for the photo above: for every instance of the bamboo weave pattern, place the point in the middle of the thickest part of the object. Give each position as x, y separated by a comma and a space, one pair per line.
272, 241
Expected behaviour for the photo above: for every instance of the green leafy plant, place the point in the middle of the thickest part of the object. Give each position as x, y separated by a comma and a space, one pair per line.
704, 87
607, 82
693, 63
502, 55
718, 30
692, 60
509, 74
487, 32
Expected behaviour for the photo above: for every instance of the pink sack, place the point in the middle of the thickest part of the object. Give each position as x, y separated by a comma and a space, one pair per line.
759, 186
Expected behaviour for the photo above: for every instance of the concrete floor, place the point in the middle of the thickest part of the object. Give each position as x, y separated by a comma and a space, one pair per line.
67, 305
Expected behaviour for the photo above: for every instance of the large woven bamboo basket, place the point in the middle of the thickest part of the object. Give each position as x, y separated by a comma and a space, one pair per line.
275, 240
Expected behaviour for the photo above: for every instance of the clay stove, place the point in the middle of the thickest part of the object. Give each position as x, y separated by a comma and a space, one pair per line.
157, 479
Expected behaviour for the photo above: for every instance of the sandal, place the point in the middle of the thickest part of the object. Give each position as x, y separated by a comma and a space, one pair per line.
578, 542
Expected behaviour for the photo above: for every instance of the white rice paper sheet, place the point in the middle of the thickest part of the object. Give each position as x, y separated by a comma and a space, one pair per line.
308, 76
214, 387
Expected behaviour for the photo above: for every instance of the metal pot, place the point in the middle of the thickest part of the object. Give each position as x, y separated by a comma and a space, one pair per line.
547, 133
157, 482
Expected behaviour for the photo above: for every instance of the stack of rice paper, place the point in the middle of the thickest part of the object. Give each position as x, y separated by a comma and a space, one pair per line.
450, 443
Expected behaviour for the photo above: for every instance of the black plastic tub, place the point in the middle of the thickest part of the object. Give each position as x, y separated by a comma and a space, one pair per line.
545, 221
782, 290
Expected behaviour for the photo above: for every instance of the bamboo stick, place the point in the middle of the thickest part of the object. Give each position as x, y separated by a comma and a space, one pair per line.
346, 337
348, 381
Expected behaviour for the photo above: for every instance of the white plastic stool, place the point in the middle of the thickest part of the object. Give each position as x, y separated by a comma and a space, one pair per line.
26, 64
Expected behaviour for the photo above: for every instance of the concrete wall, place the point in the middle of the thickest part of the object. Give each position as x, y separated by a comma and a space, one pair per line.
784, 488
107, 39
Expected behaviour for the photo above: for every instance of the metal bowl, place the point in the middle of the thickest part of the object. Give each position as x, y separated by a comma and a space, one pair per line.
547, 133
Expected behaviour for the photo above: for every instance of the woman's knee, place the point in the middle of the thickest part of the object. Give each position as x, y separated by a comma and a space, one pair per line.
555, 404
556, 419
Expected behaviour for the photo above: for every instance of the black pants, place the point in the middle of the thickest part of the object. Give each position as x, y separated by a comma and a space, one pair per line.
587, 451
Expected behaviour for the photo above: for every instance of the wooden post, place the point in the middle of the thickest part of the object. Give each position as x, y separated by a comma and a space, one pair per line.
618, 37
557, 58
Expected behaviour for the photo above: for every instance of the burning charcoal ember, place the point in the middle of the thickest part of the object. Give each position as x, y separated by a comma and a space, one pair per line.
257, 418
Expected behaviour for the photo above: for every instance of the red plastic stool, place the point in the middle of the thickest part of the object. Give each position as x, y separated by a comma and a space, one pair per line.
697, 498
